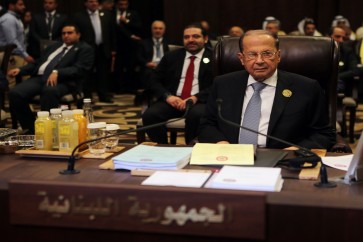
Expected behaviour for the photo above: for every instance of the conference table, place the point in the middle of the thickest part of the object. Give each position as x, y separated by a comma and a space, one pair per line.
39, 204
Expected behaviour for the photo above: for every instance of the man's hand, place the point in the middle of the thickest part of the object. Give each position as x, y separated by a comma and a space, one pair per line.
151, 65
174, 101
222, 142
182, 105
13, 72
29, 59
135, 37
52, 79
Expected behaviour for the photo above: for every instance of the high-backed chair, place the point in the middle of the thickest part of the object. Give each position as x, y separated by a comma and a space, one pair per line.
313, 57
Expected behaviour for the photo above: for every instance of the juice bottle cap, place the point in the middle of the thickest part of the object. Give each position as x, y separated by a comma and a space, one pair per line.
43, 114
55, 111
78, 111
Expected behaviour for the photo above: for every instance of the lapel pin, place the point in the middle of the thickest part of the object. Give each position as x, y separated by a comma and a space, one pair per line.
206, 60
75, 49
101, 14
287, 93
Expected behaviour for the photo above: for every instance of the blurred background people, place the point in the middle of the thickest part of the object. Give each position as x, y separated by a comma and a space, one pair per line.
235, 31
46, 26
128, 35
272, 25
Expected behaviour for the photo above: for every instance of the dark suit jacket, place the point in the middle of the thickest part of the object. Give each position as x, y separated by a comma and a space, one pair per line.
39, 31
83, 21
301, 119
146, 50
166, 77
124, 32
72, 68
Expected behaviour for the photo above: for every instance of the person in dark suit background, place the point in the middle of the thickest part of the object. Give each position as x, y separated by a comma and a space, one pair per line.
57, 72
152, 50
293, 107
348, 60
128, 35
46, 25
97, 29
171, 79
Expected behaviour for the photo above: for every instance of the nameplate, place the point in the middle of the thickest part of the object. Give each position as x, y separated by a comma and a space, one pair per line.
135, 208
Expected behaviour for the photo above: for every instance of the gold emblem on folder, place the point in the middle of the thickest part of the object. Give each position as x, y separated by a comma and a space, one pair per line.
287, 93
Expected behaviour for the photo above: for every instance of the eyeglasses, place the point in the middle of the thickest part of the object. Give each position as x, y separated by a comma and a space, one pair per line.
264, 55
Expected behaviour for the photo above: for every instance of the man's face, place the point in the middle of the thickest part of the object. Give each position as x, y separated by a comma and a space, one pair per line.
272, 28
70, 36
19, 7
235, 32
193, 40
338, 35
309, 29
49, 5
158, 29
107, 5
92, 5
259, 67
122, 5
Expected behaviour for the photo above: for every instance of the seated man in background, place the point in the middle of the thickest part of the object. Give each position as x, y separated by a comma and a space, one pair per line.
57, 72
261, 97
182, 74
152, 50
235, 31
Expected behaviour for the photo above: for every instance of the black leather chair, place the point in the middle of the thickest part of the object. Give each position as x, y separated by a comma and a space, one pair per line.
313, 57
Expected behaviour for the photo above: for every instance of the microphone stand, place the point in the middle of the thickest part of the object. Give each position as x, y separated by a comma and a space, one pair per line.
310, 156
72, 159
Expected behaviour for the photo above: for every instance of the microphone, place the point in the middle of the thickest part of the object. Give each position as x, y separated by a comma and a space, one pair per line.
305, 154
72, 159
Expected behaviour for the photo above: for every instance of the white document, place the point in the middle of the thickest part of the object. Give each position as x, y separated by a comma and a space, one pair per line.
222, 154
338, 162
247, 178
177, 179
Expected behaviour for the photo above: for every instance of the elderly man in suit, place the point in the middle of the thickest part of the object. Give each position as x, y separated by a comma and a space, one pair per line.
152, 50
181, 75
281, 104
97, 29
46, 26
57, 72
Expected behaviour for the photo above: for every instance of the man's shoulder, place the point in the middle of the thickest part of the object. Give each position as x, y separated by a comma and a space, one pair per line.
236, 75
285, 75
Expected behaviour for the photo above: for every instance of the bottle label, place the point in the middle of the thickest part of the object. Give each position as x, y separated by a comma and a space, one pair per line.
39, 127
39, 144
64, 145
64, 130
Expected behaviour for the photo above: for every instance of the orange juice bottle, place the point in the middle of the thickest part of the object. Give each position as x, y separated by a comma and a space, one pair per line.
82, 124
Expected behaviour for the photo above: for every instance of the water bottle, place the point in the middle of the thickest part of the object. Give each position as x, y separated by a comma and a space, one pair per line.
87, 108
68, 132
43, 131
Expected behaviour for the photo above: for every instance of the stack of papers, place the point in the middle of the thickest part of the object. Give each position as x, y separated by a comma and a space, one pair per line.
153, 158
247, 178
181, 178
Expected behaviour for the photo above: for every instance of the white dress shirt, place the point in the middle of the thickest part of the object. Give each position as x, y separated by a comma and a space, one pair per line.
195, 85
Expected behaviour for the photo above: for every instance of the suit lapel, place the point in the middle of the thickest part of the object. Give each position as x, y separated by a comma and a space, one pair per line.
203, 64
280, 100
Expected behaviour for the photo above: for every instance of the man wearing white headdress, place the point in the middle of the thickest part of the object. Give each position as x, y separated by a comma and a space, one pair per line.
343, 22
272, 25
